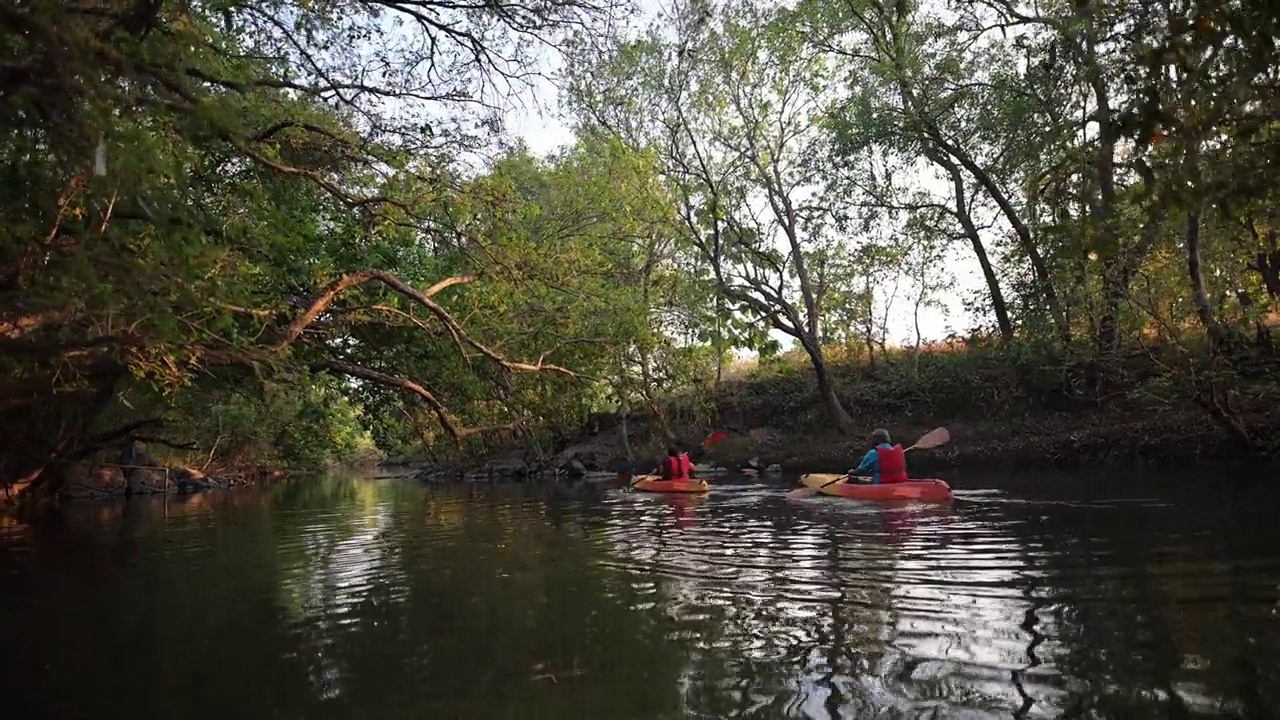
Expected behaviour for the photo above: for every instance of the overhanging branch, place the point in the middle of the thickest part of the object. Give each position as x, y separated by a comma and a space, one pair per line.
340, 367
351, 280
423, 298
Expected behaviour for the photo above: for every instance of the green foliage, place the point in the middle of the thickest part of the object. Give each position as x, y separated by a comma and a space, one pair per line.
781, 365
735, 100
1106, 167
289, 250
305, 424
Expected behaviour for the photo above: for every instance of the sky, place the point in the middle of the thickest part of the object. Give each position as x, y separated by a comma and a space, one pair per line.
534, 116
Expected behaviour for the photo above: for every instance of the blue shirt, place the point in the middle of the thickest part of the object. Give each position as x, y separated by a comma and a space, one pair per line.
871, 463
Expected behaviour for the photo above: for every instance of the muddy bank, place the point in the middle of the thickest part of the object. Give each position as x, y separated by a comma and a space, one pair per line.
1001, 415
1073, 441
1031, 444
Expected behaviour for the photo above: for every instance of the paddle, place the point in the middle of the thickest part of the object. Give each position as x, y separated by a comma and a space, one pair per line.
931, 439
714, 438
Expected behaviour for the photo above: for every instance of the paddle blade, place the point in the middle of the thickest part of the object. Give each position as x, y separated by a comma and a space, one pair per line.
802, 492
714, 438
810, 490
933, 438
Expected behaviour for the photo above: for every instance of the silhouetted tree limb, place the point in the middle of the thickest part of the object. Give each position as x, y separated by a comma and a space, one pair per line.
340, 367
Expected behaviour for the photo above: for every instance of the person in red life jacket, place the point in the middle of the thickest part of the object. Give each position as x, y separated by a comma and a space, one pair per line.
677, 466
886, 462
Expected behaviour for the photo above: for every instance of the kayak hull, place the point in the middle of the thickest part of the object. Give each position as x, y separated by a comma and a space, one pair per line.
916, 490
655, 484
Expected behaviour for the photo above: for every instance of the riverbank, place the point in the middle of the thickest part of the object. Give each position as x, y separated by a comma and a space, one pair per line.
1002, 412
108, 481
1079, 442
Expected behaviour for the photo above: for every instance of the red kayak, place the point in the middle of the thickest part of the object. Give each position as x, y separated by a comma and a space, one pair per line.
918, 490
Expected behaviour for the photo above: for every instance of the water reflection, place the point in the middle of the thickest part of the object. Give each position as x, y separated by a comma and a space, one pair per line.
837, 610
347, 598
329, 568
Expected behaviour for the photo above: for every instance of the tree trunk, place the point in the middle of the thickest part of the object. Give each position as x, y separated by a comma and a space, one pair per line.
915, 320
1214, 399
718, 345
1118, 272
1115, 287
993, 287
1266, 262
932, 133
826, 389
979, 249
1113, 294
1199, 295
625, 412
1044, 280
651, 398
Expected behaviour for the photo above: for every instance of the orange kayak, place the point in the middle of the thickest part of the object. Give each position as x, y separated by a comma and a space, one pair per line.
653, 483
919, 490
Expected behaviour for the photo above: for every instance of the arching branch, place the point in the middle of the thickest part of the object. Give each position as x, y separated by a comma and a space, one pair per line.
351, 280
339, 367
423, 298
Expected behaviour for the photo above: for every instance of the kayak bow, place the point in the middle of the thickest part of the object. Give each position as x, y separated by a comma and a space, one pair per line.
653, 483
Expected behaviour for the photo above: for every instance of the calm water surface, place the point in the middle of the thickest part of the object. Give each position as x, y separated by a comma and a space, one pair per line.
349, 598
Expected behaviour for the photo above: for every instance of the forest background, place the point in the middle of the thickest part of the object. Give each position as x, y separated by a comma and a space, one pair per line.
298, 233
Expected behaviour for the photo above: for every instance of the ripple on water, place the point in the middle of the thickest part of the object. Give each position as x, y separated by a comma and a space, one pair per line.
389, 600
964, 600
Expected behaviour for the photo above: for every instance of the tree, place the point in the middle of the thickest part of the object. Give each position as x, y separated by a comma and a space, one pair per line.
920, 86
925, 264
740, 102
200, 194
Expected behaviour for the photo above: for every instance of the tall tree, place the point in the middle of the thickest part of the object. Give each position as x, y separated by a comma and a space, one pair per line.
928, 90
740, 103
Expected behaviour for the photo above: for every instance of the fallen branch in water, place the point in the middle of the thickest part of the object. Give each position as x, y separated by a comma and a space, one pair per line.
167, 443
555, 677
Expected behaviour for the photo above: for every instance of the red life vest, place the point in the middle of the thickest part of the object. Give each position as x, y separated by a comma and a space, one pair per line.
678, 468
892, 464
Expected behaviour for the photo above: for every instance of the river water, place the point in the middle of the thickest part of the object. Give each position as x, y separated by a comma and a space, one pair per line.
356, 598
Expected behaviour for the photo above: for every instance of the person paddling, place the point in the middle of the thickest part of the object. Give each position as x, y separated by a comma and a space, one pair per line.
886, 462
677, 466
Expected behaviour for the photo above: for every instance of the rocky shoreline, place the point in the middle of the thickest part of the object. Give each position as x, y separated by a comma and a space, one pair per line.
109, 480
